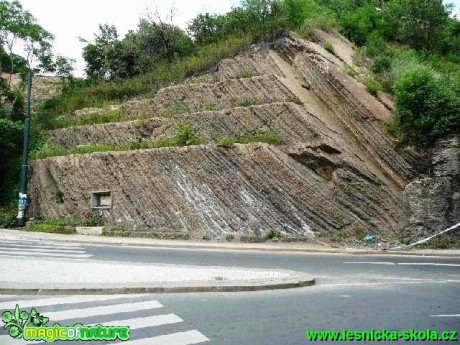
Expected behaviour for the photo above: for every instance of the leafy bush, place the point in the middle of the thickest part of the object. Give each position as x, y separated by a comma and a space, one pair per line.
271, 234
7, 218
92, 219
381, 64
307, 15
428, 105
186, 135
360, 23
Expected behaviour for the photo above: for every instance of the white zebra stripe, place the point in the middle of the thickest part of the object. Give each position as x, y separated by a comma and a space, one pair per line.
43, 302
180, 338
38, 243
42, 250
144, 322
58, 255
102, 310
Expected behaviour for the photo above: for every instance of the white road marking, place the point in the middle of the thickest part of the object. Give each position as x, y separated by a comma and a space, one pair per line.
102, 310
454, 315
370, 262
389, 263
392, 283
180, 338
26, 254
144, 322
17, 240
426, 264
38, 244
345, 296
42, 302
42, 250
7, 340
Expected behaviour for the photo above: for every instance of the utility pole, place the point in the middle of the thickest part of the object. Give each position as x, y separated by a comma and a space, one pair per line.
22, 203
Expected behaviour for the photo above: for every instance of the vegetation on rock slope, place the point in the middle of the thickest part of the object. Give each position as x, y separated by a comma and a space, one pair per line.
411, 47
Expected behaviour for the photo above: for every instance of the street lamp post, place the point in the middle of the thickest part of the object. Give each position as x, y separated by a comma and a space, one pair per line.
22, 203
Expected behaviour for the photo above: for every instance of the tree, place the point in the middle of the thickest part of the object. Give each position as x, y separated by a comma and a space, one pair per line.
357, 25
206, 28
154, 40
19, 28
97, 54
418, 23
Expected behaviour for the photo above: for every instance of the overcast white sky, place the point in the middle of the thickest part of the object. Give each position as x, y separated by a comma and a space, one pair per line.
67, 20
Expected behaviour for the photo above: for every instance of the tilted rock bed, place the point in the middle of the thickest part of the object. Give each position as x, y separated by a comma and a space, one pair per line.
337, 173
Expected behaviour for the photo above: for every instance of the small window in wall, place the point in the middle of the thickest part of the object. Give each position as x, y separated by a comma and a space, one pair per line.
101, 200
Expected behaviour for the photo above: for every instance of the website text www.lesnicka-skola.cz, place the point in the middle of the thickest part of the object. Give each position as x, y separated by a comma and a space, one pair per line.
382, 335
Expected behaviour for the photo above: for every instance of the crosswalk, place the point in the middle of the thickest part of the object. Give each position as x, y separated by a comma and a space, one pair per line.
38, 249
150, 322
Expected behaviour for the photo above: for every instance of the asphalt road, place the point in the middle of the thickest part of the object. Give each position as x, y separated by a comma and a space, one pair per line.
352, 292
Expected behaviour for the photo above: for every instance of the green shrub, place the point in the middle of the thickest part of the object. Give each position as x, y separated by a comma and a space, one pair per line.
8, 218
186, 135
229, 238
372, 86
272, 234
92, 219
427, 105
227, 142
350, 70
47, 150
439, 243
381, 63
60, 226
329, 47
375, 44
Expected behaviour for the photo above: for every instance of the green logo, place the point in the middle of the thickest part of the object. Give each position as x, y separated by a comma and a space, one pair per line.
31, 327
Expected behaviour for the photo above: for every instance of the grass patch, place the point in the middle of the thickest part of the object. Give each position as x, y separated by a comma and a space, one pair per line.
244, 74
329, 47
350, 70
50, 150
185, 136
57, 226
294, 99
263, 135
372, 86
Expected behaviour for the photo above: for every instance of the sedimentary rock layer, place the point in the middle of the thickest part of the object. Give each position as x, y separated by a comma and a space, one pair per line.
290, 121
216, 191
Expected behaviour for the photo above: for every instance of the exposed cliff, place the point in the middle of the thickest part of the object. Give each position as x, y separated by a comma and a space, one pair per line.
336, 173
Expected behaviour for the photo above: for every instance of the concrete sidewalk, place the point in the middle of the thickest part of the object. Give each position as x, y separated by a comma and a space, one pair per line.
39, 275
295, 247
45, 276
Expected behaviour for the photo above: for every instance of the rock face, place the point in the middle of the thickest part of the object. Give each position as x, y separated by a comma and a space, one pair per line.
43, 87
434, 199
336, 173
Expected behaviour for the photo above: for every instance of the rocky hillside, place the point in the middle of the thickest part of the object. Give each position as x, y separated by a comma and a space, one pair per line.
336, 173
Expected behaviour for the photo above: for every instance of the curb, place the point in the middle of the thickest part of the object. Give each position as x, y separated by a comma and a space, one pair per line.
301, 280
167, 244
